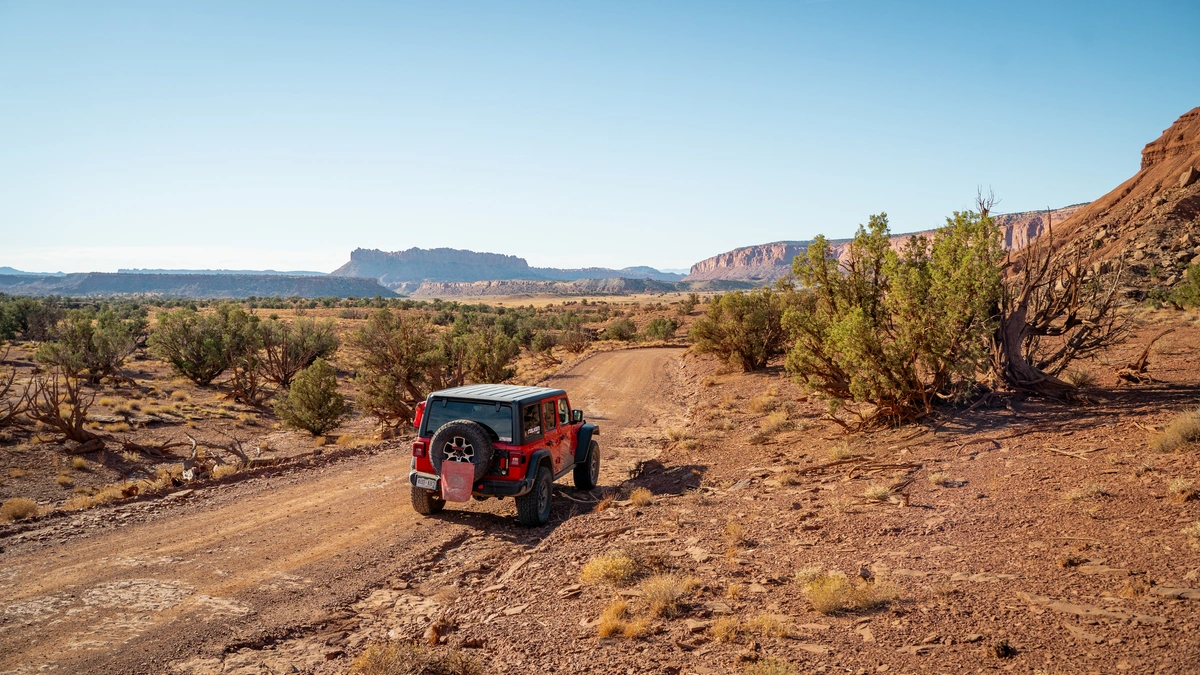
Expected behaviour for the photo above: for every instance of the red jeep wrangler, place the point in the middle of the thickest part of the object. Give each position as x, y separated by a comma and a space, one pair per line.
500, 440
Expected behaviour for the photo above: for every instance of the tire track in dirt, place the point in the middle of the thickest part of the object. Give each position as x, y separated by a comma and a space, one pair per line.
284, 553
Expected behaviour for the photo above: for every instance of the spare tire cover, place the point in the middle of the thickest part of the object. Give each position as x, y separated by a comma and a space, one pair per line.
462, 441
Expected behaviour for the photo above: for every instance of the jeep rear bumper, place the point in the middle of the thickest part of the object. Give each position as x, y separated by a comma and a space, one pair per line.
497, 488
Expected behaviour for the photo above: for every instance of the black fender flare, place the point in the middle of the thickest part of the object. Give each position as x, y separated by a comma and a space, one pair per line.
583, 442
536, 460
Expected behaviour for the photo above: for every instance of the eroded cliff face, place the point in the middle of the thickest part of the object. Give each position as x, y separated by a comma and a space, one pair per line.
1151, 221
767, 262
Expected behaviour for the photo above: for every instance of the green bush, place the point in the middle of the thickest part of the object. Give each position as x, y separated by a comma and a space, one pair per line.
313, 402
688, 304
745, 329
290, 347
661, 329
400, 362
202, 346
897, 329
96, 344
1187, 293
621, 329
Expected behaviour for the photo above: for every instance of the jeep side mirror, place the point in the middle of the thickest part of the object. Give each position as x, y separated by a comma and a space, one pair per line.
576, 416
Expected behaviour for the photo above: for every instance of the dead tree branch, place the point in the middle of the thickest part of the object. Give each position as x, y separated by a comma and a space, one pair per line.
11, 409
1136, 372
58, 401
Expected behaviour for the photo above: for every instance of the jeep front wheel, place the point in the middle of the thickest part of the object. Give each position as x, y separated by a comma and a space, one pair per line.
425, 502
587, 475
533, 507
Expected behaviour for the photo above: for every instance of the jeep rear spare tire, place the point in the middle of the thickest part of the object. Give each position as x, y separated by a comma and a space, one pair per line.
462, 441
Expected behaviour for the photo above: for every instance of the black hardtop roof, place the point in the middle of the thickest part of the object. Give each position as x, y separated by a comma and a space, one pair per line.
507, 393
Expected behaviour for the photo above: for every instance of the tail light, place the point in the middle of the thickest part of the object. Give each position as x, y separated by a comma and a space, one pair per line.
419, 448
516, 460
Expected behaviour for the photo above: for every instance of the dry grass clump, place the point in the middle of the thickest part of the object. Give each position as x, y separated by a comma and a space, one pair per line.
764, 403
807, 574
1182, 431
108, 401
835, 593
1192, 530
771, 425
1089, 491
839, 452
730, 401
675, 435
180, 395
615, 621
79, 464
877, 492
118, 427
662, 593
1081, 377
641, 497
770, 666
224, 470
64, 480
16, 473
735, 534
768, 625
725, 630
87, 500
940, 479
733, 591
404, 658
17, 508
616, 568
1181, 490
606, 501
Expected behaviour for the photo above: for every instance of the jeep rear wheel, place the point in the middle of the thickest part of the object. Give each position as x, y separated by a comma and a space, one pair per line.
425, 502
587, 475
533, 507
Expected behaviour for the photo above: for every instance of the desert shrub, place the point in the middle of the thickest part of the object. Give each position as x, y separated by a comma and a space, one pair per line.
406, 658
400, 364
1181, 490
17, 508
897, 330
744, 329
663, 593
313, 402
575, 340
202, 346
835, 593
621, 329
1187, 293
726, 629
29, 318
641, 497
768, 625
615, 621
1081, 378
807, 574
1089, 491
940, 479
735, 534
541, 343
488, 355
96, 344
661, 329
1192, 530
877, 492
1181, 432
290, 347
615, 568
688, 304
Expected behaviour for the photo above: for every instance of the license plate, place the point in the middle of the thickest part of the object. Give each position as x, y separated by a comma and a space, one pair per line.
427, 483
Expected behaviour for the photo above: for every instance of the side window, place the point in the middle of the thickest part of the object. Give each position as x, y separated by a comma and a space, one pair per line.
564, 411
531, 420
548, 414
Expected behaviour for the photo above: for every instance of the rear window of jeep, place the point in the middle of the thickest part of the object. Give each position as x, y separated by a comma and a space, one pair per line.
496, 417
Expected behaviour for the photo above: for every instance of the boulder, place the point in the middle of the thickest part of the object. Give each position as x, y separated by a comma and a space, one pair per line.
1189, 177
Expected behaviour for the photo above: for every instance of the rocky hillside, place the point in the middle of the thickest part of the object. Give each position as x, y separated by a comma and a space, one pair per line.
191, 285
768, 262
1151, 220
396, 268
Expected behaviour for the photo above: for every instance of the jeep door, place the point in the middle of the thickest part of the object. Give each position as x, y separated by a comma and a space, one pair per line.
570, 431
555, 438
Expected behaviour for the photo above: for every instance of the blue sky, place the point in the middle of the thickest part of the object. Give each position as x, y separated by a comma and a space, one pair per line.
284, 134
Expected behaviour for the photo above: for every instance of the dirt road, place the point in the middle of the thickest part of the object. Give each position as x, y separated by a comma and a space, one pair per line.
253, 563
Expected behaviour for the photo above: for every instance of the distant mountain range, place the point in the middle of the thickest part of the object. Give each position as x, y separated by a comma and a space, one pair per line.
191, 285
404, 270
10, 270
293, 273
